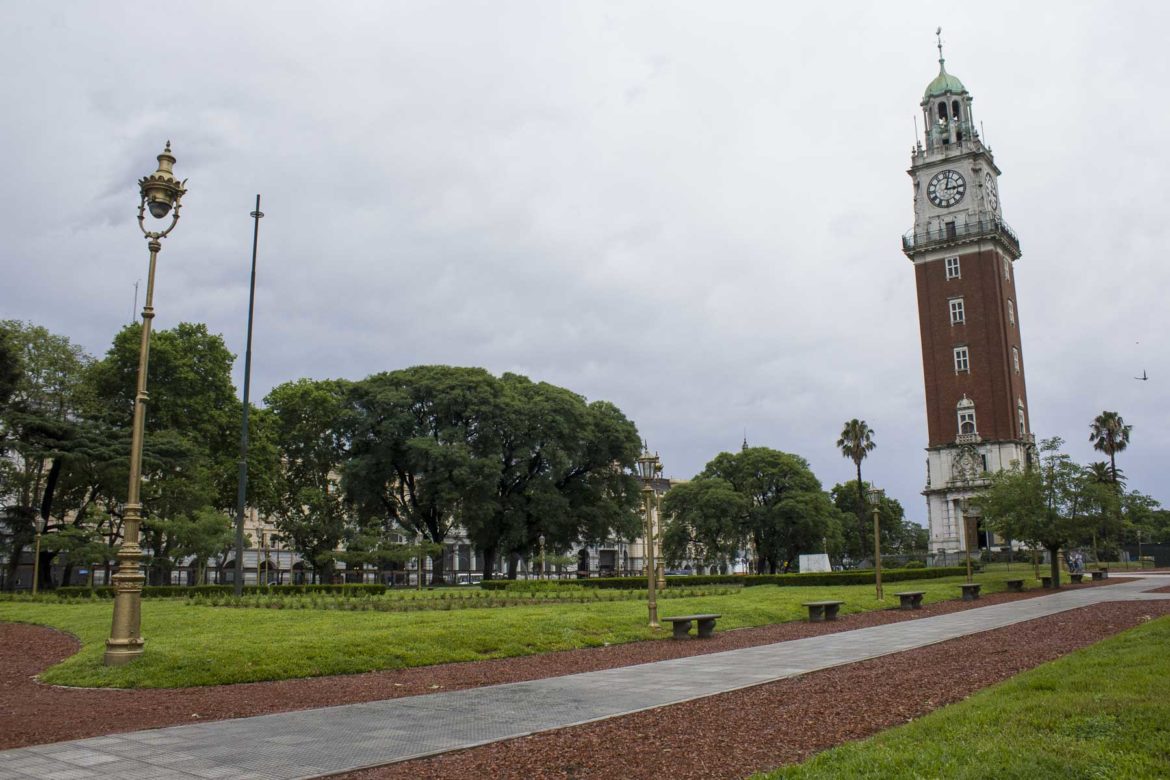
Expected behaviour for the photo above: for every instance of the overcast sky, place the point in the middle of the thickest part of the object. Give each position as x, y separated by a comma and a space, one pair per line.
692, 210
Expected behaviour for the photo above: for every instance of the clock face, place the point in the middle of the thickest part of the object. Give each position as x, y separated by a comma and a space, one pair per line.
992, 193
946, 188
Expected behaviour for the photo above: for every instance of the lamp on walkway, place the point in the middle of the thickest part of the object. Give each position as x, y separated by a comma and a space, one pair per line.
160, 193
648, 468
874, 495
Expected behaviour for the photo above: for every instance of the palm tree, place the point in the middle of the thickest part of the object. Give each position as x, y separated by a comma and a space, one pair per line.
856, 442
1109, 434
1102, 473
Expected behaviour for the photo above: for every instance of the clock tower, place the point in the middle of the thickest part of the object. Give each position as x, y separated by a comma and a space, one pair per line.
964, 255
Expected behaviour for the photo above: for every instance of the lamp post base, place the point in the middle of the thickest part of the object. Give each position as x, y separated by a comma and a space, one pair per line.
120, 652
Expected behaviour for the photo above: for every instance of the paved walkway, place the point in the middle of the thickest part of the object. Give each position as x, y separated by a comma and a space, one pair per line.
311, 743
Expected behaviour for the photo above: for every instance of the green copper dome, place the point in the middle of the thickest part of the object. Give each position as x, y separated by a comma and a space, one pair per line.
943, 83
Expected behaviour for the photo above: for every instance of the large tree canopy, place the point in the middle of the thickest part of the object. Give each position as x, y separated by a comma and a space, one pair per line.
773, 500
1052, 504
508, 459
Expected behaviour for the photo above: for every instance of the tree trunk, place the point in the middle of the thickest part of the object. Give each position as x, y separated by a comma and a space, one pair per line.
1054, 554
45, 576
489, 561
861, 524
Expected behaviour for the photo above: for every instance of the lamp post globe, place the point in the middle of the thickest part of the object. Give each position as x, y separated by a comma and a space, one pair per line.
160, 194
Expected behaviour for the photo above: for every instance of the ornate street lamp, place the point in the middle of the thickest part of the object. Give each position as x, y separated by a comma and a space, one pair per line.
161, 194
648, 468
874, 495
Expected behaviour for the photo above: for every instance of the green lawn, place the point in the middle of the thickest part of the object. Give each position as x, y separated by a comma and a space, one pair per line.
202, 645
1101, 712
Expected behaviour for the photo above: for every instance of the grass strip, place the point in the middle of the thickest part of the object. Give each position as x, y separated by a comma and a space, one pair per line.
202, 645
1101, 712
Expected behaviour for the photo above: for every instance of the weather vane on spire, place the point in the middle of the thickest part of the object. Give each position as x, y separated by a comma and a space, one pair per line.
938, 34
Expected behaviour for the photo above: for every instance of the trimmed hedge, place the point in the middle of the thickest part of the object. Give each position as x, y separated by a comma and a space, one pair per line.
183, 591
854, 577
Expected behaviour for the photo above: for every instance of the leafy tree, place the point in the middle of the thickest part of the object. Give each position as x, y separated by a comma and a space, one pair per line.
899, 536
1109, 434
39, 428
855, 443
423, 447
1052, 505
708, 522
508, 459
787, 511
192, 423
308, 425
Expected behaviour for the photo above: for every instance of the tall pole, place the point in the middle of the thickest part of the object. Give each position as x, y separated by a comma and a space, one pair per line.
651, 571
877, 552
37, 561
967, 541
242, 489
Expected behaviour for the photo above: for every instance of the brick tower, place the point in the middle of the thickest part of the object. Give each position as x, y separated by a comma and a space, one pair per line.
968, 313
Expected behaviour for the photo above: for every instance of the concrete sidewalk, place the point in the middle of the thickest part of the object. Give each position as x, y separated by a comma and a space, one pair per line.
311, 743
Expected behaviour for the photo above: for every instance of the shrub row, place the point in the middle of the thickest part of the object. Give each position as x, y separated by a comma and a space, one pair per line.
185, 591
855, 577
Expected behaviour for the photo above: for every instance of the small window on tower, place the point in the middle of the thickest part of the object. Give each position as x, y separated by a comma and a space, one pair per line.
1007, 270
1016, 359
952, 264
962, 360
1011, 312
966, 422
1021, 419
942, 111
955, 109
957, 315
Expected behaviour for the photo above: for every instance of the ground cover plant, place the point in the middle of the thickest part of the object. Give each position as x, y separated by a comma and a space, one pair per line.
1103, 711
195, 644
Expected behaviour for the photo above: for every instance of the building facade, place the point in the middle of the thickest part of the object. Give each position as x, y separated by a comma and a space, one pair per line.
964, 256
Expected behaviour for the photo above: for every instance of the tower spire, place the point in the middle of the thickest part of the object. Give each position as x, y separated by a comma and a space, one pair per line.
942, 63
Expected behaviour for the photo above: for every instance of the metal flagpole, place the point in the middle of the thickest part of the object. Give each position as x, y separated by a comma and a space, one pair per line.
243, 478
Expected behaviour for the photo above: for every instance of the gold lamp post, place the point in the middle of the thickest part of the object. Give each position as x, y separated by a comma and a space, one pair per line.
875, 498
648, 468
965, 507
161, 194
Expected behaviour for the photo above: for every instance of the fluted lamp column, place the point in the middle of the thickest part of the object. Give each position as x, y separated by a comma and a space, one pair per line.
161, 194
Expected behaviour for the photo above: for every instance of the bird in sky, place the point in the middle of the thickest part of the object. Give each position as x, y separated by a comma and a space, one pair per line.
1143, 377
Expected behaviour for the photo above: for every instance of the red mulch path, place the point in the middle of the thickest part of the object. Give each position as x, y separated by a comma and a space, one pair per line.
776, 723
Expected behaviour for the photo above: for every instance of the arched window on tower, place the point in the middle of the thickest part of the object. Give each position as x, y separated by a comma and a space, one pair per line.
966, 414
1021, 417
942, 112
955, 109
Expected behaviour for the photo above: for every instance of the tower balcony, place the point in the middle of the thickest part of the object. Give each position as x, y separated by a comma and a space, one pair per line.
965, 233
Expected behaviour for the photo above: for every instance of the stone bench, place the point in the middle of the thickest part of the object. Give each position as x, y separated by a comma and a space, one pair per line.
682, 625
1015, 586
910, 599
1100, 574
971, 590
1076, 578
820, 611
1046, 581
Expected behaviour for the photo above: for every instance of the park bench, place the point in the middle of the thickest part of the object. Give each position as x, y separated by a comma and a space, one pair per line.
1100, 574
1015, 586
971, 590
682, 625
910, 599
1046, 581
1076, 578
819, 611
